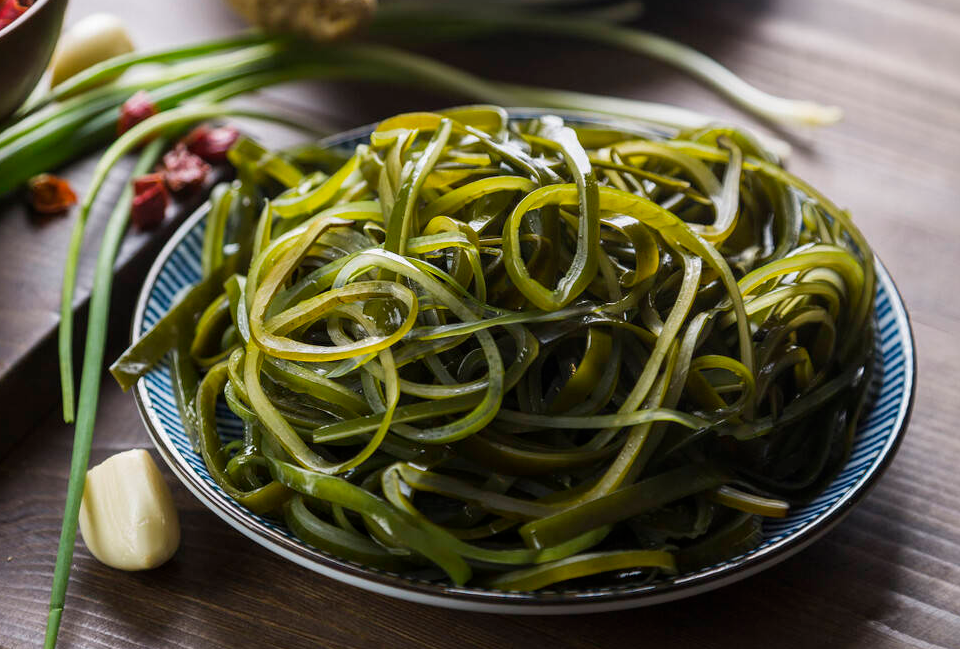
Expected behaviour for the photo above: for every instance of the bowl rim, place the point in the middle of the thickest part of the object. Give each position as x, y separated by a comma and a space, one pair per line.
538, 602
23, 18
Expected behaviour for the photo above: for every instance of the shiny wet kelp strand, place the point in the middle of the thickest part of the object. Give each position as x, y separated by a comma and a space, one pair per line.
520, 353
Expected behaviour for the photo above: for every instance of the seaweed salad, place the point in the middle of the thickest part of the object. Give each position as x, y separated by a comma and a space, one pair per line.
515, 352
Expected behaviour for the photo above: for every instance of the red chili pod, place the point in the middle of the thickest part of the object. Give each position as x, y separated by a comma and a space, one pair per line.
211, 144
150, 201
143, 183
50, 194
184, 171
135, 110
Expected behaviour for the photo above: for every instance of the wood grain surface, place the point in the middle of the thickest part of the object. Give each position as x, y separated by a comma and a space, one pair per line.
888, 576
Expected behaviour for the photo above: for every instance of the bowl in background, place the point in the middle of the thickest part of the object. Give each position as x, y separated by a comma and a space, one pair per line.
26, 46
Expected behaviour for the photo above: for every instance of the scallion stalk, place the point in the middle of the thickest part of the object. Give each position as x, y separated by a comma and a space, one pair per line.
99, 313
436, 23
171, 119
90, 387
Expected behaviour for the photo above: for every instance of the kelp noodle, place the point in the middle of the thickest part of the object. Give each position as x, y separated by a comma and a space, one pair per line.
524, 352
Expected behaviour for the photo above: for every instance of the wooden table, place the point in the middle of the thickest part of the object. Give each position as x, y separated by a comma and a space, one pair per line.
888, 576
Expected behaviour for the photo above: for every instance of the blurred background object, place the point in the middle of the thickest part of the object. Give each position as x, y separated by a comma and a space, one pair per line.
93, 39
318, 19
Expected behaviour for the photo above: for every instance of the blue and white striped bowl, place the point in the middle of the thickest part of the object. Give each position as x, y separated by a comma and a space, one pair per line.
876, 441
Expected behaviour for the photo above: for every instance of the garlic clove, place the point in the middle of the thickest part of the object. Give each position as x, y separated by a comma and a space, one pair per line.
93, 39
127, 517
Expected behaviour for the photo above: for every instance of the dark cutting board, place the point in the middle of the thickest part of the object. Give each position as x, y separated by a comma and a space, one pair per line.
32, 251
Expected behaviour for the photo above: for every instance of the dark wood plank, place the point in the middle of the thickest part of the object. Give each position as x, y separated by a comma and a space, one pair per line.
888, 576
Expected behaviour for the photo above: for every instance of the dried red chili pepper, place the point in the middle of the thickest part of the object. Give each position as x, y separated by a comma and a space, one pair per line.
13, 9
150, 200
211, 144
147, 181
184, 171
51, 194
135, 110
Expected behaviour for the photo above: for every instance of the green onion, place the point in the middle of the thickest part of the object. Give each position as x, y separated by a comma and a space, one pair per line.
460, 21
90, 386
93, 76
172, 119
99, 311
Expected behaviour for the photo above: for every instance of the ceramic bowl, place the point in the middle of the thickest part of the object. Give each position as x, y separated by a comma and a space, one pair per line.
25, 49
879, 433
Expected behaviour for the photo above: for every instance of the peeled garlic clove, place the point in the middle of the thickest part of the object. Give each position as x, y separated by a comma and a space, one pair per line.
93, 39
127, 517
